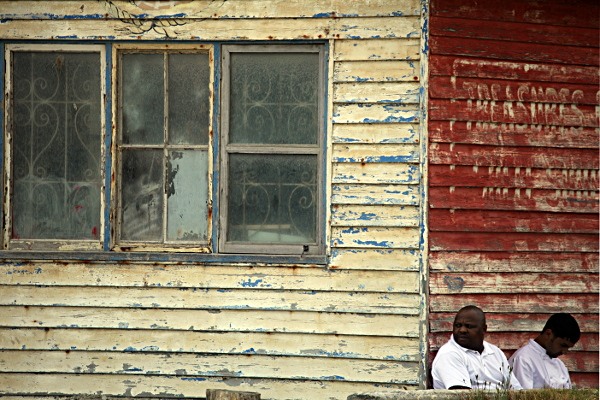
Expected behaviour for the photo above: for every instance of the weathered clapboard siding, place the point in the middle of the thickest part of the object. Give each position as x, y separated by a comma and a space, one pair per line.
513, 175
162, 386
187, 341
174, 328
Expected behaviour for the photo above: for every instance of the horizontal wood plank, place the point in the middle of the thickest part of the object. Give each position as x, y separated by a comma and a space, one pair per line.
184, 341
208, 320
513, 134
196, 365
375, 173
207, 299
483, 241
376, 92
212, 29
517, 51
506, 156
511, 221
142, 386
375, 133
375, 259
375, 194
377, 49
375, 71
514, 112
513, 177
491, 198
379, 153
515, 340
513, 31
192, 276
470, 67
517, 303
585, 380
375, 113
504, 283
580, 14
440, 261
513, 322
375, 237
451, 87
358, 215
202, 9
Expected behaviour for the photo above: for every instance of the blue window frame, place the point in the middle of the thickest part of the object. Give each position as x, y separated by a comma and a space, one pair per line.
201, 150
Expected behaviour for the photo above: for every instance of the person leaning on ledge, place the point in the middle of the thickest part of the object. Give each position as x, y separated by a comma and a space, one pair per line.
536, 365
466, 361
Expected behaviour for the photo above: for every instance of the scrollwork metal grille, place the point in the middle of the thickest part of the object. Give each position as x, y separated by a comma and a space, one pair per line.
56, 148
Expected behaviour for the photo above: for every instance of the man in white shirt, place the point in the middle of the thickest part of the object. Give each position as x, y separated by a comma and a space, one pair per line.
536, 365
466, 361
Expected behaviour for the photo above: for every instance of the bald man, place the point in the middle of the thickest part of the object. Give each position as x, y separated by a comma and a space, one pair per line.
466, 361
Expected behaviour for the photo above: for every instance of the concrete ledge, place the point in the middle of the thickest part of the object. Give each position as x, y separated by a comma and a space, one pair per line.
410, 395
563, 394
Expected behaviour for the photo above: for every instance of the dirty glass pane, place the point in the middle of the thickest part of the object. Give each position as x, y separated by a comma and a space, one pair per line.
142, 195
143, 98
187, 191
272, 198
188, 98
56, 146
274, 98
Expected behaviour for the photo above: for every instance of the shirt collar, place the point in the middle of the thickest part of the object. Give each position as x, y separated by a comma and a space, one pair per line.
538, 348
486, 348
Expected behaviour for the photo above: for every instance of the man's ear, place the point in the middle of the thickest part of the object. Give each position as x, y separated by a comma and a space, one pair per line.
548, 333
484, 328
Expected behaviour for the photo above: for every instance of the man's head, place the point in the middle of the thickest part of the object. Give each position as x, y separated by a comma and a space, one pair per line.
469, 328
560, 333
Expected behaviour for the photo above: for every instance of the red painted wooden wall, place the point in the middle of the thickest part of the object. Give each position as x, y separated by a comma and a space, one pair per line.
513, 169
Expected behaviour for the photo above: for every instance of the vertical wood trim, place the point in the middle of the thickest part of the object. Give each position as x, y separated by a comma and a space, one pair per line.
328, 156
423, 165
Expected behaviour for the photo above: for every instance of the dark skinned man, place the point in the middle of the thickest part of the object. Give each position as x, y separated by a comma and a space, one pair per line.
466, 361
536, 365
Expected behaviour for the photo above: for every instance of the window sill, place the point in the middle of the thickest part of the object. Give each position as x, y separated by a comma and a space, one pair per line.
192, 258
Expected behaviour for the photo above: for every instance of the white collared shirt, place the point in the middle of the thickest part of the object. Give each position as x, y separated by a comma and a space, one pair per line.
455, 365
535, 369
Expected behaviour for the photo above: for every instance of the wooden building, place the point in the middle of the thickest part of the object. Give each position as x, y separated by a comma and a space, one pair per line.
292, 127
513, 170
289, 197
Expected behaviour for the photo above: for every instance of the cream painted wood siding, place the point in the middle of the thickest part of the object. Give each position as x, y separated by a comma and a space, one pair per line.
151, 327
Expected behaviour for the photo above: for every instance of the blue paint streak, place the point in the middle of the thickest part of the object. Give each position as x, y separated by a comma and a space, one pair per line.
334, 378
249, 283
385, 243
391, 119
133, 370
193, 379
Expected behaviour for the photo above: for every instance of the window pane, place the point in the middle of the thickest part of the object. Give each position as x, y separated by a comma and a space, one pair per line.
274, 98
187, 190
56, 146
143, 98
188, 98
142, 195
272, 198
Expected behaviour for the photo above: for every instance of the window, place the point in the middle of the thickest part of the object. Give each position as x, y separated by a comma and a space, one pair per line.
163, 152
271, 149
54, 127
213, 148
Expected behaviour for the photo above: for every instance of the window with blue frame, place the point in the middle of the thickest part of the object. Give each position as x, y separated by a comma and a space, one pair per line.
211, 148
